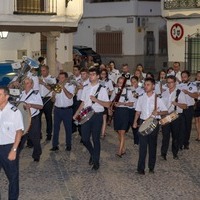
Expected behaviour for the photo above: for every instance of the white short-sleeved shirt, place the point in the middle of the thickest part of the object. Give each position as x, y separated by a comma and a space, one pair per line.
107, 84
126, 96
191, 87
61, 100
158, 86
146, 105
35, 81
11, 121
79, 93
136, 92
32, 97
114, 75
168, 98
91, 90
48, 80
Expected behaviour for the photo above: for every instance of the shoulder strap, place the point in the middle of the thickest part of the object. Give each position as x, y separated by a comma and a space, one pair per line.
176, 99
97, 92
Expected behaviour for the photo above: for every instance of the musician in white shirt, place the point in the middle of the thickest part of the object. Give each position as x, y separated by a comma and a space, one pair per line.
11, 128
175, 101
63, 112
136, 91
190, 91
95, 96
35, 104
107, 83
122, 99
148, 106
46, 82
113, 73
76, 101
78, 92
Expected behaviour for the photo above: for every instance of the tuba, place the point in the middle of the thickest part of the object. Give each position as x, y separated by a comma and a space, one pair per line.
16, 85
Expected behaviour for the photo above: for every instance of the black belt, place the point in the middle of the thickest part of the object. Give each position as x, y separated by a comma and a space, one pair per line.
46, 97
97, 113
4, 145
64, 107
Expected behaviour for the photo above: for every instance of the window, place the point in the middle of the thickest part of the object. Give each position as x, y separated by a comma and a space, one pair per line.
192, 53
149, 43
109, 43
43, 43
163, 41
103, 1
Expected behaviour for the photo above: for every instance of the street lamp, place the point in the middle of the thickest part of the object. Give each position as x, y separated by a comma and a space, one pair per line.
3, 34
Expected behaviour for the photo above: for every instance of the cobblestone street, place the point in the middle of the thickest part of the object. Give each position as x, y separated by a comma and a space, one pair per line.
67, 176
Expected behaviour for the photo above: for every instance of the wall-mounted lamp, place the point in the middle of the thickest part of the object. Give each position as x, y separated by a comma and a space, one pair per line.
3, 34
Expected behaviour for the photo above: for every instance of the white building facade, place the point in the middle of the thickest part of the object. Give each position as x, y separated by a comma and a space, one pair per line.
183, 34
28, 22
129, 31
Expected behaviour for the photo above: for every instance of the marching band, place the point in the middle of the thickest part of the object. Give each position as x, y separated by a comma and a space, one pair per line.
90, 98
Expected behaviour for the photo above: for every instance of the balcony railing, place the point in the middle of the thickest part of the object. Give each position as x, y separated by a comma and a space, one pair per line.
35, 7
181, 4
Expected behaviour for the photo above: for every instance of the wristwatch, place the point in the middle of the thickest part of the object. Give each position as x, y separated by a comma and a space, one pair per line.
14, 149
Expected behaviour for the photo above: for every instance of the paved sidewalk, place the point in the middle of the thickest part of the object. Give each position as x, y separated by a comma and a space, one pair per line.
67, 176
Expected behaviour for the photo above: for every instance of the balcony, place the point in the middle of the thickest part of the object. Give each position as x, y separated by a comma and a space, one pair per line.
181, 4
35, 7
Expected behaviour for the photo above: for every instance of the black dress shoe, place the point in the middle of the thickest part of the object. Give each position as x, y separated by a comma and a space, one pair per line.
164, 157
175, 157
68, 148
91, 161
36, 159
95, 166
151, 171
54, 148
186, 147
48, 138
140, 172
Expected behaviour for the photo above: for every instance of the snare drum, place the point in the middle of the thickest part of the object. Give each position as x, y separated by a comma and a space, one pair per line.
148, 126
84, 115
169, 118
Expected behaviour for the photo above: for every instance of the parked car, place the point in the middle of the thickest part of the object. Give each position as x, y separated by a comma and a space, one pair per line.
6, 73
84, 51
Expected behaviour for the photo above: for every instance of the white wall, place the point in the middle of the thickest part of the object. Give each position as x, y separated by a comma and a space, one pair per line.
18, 41
133, 41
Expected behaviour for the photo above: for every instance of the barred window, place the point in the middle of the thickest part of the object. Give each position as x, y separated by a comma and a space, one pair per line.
102, 1
43, 42
109, 43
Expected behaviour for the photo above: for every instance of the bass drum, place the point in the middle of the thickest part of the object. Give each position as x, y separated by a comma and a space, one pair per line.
26, 115
148, 126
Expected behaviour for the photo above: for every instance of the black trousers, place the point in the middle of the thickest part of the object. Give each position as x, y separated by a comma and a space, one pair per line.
47, 110
62, 115
134, 130
34, 136
148, 142
93, 128
172, 129
188, 116
75, 107
11, 169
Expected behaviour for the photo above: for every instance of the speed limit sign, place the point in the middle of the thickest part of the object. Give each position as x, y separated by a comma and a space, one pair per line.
177, 31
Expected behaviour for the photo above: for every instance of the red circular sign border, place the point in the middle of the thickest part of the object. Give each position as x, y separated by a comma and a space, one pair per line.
182, 31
